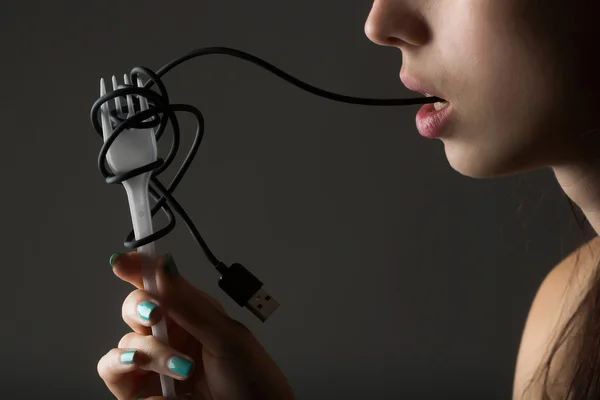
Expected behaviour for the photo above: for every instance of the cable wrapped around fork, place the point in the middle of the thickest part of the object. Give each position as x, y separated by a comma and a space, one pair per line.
161, 112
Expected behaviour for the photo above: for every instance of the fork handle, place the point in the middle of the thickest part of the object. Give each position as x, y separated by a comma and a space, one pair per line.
139, 206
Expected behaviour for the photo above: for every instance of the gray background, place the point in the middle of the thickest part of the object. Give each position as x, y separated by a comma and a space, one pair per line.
398, 277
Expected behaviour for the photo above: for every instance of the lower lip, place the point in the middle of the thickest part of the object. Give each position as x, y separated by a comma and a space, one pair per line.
430, 122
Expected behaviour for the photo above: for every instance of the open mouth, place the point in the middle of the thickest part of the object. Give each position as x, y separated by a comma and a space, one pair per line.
440, 105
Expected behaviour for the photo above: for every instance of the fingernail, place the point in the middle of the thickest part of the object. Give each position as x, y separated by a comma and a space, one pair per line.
145, 309
113, 259
180, 366
170, 266
127, 357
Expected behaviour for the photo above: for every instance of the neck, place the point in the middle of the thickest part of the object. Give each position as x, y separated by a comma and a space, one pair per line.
581, 182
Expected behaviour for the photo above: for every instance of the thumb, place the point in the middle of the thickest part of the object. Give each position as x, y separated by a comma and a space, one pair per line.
199, 314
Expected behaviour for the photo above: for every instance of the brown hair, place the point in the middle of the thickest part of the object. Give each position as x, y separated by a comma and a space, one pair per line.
579, 377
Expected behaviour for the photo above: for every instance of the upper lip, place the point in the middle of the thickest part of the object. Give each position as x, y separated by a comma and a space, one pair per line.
415, 85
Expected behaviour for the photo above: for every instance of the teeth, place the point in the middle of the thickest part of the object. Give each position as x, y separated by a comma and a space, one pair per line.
440, 105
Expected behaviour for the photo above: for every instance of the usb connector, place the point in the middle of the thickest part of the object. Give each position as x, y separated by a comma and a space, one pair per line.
247, 290
262, 304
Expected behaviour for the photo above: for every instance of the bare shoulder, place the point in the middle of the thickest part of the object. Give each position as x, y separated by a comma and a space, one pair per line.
555, 301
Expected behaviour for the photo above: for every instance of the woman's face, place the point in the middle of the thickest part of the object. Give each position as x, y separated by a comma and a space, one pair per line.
521, 76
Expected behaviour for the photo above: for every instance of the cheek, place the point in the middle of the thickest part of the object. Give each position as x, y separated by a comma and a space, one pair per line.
514, 88
506, 103
511, 73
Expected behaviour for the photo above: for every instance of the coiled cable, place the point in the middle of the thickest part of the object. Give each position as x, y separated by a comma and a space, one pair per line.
161, 112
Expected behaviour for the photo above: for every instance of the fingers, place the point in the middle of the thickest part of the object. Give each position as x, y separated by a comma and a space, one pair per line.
195, 311
140, 311
123, 368
199, 314
118, 362
158, 357
128, 267
120, 370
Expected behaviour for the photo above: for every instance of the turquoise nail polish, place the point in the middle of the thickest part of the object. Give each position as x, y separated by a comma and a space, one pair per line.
127, 357
145, 310
170, 266
180, 366
113, 258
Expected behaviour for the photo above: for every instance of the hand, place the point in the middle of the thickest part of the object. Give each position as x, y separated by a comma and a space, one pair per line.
211, 356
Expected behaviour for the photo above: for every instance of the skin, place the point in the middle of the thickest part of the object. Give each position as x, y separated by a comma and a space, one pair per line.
522, 77
557, 298
511, 69
229, 361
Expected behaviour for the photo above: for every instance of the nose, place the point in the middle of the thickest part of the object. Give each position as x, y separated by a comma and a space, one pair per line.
396, 23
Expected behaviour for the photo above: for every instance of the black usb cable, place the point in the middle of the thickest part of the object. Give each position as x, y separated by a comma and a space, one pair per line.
239, 283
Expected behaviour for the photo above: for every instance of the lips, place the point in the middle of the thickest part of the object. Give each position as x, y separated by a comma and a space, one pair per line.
418, 86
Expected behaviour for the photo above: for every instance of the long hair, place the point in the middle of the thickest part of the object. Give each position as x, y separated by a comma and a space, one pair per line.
578, 378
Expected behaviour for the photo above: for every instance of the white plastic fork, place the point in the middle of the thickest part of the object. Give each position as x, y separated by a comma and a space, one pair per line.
135, 148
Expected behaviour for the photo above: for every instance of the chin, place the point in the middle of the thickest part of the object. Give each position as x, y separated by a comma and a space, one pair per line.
478, 163
470, 171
